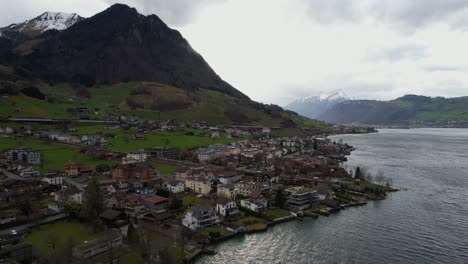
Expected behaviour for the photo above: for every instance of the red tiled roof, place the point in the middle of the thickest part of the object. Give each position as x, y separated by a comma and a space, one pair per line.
155, 199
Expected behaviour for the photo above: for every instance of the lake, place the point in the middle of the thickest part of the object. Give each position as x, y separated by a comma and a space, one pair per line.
426, 222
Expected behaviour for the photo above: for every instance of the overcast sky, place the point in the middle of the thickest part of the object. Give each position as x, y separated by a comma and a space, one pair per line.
278, 50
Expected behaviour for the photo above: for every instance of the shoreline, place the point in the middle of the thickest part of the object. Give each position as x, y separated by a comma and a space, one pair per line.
307, 214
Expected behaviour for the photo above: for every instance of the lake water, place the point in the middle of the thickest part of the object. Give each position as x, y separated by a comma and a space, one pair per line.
425, 223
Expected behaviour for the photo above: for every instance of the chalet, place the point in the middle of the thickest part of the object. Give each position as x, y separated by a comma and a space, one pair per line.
226, 207
200, 217
71, 168
156, 216
141, 171
112, 218
256, 202
139, 136
156, 202
133, 206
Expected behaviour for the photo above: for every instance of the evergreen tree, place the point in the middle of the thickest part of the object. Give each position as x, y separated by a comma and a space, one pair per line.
132, 234
93, 205
279, 198
358, 173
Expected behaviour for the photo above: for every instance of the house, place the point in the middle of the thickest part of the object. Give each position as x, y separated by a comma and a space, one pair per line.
139, 136
256, 202
133, 206
226, 190
139, 155
245, 188
6, 217
68, 195
16, 252
15, 187
324, 192
200, 185
106, 241
118, 187
228, 177
300, 198
215, 135
175, 186
226, 207
141, 171
162, 152
200, 217
213, 152
156, 202
24, 155
156, 216
53, 179
113, 218
71, 168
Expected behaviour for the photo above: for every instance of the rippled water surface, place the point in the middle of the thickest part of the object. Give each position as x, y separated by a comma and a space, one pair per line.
425, 223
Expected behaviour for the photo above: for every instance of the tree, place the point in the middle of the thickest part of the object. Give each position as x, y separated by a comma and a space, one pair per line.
279, 198
93, 205
132, 234
176, 203
102, 168
164, 192
51, 240
72, 209
358, 173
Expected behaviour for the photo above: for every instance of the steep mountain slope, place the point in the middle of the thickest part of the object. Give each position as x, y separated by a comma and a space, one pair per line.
40, 24
406, 110
119, 45
314, 105
119, 62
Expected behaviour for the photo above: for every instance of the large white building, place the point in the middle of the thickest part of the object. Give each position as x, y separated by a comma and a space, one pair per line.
139, 156
200, 217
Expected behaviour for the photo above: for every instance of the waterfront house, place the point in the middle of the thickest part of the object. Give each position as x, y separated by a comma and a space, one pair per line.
199, 217
256, 202
226, 207
106, 241
300, 198
324, 192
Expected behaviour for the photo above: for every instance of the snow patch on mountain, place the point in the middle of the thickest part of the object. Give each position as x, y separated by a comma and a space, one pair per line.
313, 105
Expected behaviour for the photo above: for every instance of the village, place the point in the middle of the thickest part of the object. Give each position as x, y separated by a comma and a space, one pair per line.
162, 192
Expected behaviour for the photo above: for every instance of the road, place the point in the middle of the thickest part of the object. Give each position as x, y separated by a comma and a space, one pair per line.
26, 226
12, 175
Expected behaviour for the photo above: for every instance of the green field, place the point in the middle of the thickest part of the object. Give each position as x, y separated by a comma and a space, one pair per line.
275, 213
55, 155
64, 230
164, 168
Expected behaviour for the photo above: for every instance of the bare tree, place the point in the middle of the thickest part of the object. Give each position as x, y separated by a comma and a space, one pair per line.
380, 178
51, 240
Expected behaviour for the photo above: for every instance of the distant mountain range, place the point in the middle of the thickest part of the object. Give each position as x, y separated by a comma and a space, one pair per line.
411, 110
314, 105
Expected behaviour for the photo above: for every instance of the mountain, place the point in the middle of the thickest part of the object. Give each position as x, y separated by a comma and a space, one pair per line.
119, 62
40, 24
118, 45
407, 110
314, 105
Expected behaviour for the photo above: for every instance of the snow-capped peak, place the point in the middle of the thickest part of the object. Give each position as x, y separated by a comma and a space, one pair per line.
44, 22
55, 20
339, 95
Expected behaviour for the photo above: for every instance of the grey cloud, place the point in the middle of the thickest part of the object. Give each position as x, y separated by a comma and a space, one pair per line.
437, 68
409, 52
173, 12
406, 15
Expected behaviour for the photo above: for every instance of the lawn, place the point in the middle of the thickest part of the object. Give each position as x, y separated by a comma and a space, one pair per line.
190, 200
165, 168
221, 229
55, 155
65, 231
275, 213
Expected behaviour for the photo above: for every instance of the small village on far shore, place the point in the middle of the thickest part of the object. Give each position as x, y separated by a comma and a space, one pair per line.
163, 191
